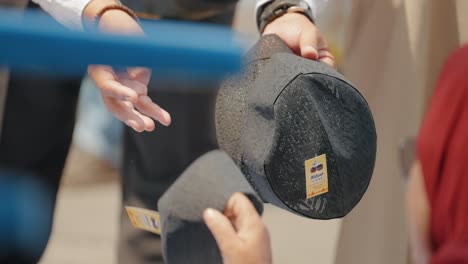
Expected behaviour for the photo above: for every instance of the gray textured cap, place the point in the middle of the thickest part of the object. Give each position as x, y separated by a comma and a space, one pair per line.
281, 116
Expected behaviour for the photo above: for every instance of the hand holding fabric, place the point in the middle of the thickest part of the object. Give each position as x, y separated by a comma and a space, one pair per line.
302, 37
240, 233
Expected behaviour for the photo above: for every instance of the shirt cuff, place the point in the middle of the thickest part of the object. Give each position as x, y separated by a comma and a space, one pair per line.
66, 12
316, 6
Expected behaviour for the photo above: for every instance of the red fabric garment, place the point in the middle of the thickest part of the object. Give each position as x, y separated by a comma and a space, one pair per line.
442, 149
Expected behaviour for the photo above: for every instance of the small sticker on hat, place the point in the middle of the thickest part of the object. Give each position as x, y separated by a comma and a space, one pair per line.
144, 219
316, 176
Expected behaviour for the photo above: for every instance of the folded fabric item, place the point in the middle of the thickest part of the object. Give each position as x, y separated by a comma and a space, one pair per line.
208, 182
300, 132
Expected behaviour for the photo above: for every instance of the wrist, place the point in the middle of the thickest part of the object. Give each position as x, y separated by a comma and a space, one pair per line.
95, 6
111, 16
277, 8
118, 21
289, 21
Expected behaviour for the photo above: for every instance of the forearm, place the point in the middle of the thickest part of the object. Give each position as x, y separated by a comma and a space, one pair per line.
418, 217
419, 241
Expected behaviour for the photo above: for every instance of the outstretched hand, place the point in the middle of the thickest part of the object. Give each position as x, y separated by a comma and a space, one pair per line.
125, 96
125, 93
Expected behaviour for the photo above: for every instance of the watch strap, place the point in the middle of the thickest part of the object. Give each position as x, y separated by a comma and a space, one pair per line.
277, 8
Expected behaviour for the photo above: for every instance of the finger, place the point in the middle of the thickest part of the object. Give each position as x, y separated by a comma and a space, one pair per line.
140, 74
103, 71
309, 43
331, 62
221, 228
242, 213
328, 58
116, 90
148, 122
106, 80
138, 87
124, 112
121, 112
149, 108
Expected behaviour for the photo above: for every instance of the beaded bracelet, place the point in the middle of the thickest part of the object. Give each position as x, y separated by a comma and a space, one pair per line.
93, 23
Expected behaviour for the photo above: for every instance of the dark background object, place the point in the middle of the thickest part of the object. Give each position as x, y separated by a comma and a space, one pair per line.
26, 207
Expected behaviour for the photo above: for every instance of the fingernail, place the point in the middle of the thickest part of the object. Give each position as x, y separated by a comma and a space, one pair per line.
210, 213
312, 49
146, 99
166, 118
310, 52
150, 127
329, 62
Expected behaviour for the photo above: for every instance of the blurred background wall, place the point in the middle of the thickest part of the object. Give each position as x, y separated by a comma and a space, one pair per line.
394, 51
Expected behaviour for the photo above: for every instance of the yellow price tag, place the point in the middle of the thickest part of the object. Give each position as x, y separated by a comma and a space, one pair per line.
316, 176
144, 219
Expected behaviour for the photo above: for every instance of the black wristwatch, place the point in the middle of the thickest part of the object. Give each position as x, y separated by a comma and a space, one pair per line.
277, 8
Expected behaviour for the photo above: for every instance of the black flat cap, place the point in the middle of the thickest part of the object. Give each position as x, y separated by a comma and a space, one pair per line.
208, 182
301, 133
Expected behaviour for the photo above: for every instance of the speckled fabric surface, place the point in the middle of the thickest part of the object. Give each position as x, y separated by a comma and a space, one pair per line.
208, 182
283, 110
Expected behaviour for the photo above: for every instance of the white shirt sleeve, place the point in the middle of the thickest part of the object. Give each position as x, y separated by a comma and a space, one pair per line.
67, 12
316, 6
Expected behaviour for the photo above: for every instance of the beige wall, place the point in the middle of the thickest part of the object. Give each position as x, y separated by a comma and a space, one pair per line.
394, 52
